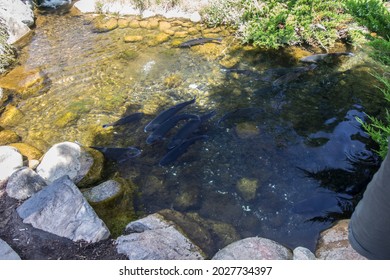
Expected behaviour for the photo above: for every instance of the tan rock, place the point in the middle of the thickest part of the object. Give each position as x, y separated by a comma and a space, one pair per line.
8, 136
153, 23
159, 39
181, 34
333, 244
22, 80
11, 116
134, 24
123, 22
133, 38
164, 25
143, 24
28, 151
103, 24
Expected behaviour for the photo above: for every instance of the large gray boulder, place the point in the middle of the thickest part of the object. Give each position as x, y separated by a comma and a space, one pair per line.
153, 238
17, 16
65, 158
254, 248
60, 208
6, 252
10, 161
23, 183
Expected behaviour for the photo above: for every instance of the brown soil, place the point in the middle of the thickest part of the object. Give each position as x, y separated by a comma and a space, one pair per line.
34, 244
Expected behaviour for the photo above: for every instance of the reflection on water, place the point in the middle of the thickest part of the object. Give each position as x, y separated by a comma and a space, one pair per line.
275, 165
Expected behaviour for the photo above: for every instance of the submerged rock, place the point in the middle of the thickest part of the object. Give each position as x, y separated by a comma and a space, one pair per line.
254, 248
61, 209
24, 183
247, 188
8, 136
104, 24
133, 38
11, 116
104, 191
10, 161
153, 238
30, 152
333, 244
24, 81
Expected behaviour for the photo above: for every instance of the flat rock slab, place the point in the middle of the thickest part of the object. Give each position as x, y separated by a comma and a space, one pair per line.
65, 158
60, 208
333, 244
106, 190
153, 238
254, 248
6, 252
23, 183
10, 161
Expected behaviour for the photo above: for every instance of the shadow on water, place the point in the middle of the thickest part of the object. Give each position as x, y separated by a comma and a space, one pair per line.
283, 160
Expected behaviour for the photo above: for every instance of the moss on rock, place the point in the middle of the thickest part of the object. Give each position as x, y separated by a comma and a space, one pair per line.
11, 116
247, 188
8, 136
29, 151
96, 170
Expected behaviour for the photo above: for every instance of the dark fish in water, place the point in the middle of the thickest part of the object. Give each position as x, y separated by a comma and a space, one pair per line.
249, 113
165, 115
176, 152
130, 118
163, 129
324, 57
191, 126
293, 75
118, 154
199, 41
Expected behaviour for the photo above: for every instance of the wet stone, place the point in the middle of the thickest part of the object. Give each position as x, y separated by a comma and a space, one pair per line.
23, 80
134, 24
164, 25
123, 22
11, 116
247, 188
28, 151
6, 252
302, 253
105, 24
133, 38
102, 192
8, 136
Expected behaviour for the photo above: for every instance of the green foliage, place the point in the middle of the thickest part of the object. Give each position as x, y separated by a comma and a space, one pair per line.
274, 23
377, 129
381, 51
371, 13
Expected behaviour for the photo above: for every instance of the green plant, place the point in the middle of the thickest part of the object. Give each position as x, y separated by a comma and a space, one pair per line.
377, 129
381, 51
371, 13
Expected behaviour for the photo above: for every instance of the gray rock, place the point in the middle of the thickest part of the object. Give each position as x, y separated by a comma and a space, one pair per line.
254, 248
302, 253
6, 252
333, 244
60, 208
10, 161
153, 238
17, 16
65, 158
23, 183
104, 191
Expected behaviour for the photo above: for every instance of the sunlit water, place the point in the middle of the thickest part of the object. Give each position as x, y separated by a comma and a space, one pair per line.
299, 144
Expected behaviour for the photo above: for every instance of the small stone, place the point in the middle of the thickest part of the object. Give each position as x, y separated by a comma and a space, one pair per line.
23, 80
153, 23
23, 183
159, 39
133, 38
143, 24
28, 151
248, 188
123, 22
102, 24
104, 191
8, 136
180, 34
134, 24
164, 25
11, 116
302, 253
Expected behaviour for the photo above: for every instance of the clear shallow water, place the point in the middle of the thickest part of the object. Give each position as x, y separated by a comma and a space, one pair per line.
298, 144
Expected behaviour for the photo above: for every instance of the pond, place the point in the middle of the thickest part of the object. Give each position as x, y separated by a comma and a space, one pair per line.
283, 159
